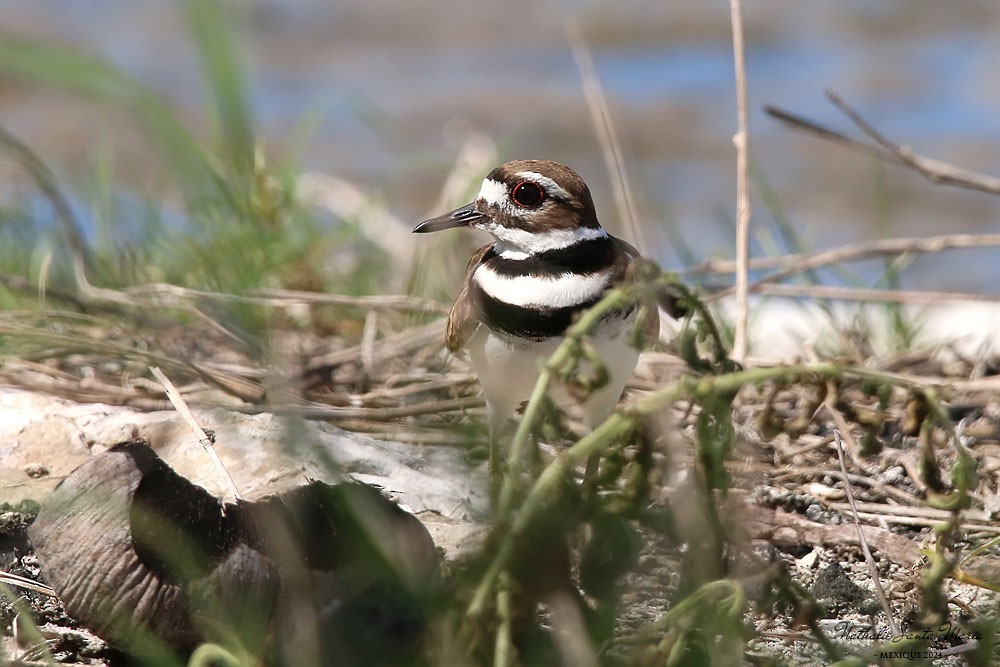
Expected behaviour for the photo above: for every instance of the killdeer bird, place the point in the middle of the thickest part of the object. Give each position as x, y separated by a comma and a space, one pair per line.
550, 260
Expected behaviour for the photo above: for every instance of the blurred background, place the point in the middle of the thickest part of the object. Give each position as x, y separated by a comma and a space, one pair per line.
384, 93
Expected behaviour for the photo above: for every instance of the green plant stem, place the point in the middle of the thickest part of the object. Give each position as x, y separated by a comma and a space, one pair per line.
979, 550
963, 472
716, 608
28, 629
670, 281
212, 26
514, 465
619, 423
536, 501
45, 180
701, 387
504, 644
570, 348
725, 594
213, 654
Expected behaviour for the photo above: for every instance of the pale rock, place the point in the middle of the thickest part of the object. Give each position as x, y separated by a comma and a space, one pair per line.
263, 453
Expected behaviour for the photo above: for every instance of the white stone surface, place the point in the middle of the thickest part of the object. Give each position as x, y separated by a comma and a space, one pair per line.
263, 453
780, 327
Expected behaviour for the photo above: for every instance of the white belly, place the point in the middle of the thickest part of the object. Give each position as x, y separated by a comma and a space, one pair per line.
508, 368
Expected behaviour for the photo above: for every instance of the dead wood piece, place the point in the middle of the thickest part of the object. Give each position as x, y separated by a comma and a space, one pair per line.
145, 558
94, 539
914, 512
789, 530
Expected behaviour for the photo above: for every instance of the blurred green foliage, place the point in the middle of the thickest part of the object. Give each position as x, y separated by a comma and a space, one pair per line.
230, 221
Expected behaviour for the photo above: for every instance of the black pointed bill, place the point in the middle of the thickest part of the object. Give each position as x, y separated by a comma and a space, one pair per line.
460, 217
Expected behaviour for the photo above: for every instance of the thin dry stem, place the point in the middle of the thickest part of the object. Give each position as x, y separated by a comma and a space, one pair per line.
45, 179
282, 297
921, 516
320, 411
392, 389
178, 402
742, 143
158, 295
864, 294
607, 136
789, 472
872, 568
935, 171
796, 263
11, 579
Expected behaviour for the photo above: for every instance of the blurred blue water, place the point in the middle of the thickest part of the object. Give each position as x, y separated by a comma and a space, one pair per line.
389, 80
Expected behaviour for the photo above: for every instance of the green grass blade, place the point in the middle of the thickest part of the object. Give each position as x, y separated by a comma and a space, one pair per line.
225, 79
97, 79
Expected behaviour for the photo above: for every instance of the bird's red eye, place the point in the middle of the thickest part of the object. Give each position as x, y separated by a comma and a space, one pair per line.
527, 194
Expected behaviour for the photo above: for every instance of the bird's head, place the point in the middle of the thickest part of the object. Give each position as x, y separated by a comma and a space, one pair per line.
530, 207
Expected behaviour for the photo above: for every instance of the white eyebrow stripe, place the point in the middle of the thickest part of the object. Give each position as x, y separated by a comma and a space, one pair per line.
494, 193
550, 186
568, 289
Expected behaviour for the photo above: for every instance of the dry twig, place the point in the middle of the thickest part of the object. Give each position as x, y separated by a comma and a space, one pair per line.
206, 441
811, 472
321, 411
917, 516
600, 114
791, 530
157, 295
11, 579
796, 263
872, 568
933, 170
842, 293
742, 141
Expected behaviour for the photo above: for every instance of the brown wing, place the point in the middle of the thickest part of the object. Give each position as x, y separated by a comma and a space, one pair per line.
624, 263
462, 320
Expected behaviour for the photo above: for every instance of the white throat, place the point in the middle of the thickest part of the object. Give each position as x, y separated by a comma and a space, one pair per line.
514, 243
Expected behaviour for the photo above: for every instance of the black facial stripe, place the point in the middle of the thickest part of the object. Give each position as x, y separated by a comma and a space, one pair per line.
584, 258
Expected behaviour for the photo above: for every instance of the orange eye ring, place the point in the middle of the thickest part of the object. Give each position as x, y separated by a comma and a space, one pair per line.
528, 194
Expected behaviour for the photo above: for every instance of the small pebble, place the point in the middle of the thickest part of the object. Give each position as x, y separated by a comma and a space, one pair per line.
36, 470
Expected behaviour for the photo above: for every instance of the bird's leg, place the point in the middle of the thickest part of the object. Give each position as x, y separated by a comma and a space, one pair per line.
594, 417
493, 466
494, 470
590, 474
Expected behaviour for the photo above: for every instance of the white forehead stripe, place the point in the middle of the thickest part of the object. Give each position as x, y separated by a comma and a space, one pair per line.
529, 291
511, 240
494, 193
550, 186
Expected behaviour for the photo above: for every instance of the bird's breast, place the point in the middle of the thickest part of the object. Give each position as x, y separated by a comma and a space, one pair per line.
565, 290
537, 296
529, 307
